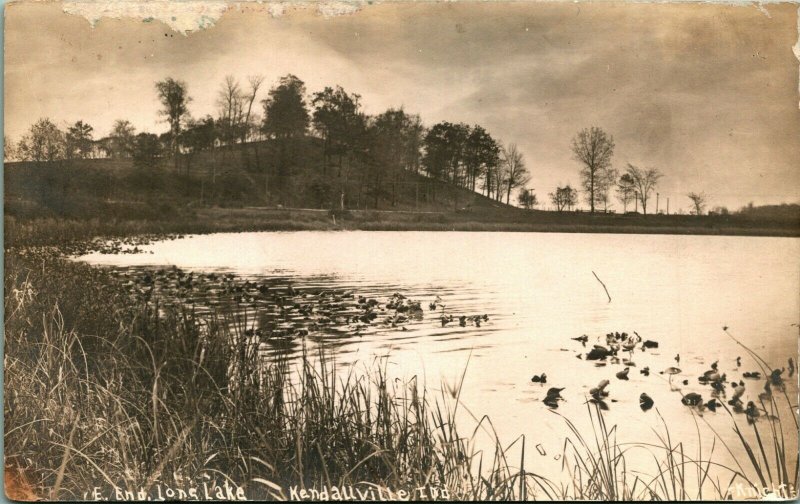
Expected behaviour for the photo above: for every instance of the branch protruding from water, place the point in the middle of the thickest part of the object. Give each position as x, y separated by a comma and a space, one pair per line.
604, 285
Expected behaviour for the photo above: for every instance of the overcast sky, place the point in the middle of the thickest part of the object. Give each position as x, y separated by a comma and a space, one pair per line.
707, 94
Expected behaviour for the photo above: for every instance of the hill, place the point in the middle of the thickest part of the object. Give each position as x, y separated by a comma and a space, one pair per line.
252, 174
253, 187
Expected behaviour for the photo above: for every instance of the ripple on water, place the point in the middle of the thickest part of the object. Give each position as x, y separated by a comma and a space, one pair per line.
539, 293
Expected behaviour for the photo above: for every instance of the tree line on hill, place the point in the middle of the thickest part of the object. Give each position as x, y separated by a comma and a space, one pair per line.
375, 150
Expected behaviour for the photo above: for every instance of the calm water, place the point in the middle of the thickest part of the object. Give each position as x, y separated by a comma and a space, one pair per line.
539, 291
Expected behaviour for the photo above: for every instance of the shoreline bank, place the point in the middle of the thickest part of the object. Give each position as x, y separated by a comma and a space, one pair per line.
109, 335
60, 231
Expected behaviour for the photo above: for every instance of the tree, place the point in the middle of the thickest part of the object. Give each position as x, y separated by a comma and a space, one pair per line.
337, 117
147, 149
527, 199
699, 201
285, 111
481, 157
437, 153
230, 101
605, 183
564, 198
570, 197
456, 138
593, 148
516, 173
198, 135
79, 140
43, 142
285, 117
9, 149
413, 137
175, 100
445, 151
626, 190
389, 150
249, 125
123, 139
644, 182
500, 177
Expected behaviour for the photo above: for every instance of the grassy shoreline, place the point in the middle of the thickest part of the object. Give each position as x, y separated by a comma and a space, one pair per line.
55, 231
126, 395
105, 389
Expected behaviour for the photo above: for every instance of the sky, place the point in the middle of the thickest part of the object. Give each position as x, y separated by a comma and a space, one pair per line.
708, 94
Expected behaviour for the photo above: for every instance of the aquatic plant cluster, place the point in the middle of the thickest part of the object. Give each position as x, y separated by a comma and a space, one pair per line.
768, 458
276, 314
619, 349
145, 380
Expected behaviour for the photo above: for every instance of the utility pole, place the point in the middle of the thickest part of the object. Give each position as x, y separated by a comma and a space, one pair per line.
667, 205
657, 203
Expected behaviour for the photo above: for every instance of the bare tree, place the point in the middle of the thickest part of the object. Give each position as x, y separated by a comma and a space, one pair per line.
593, 148
516, 173
564, 198
644, 182
606, 181
230, 100
699, 201
255, 82
248, 124
626, 190
175, 100
9, 149
500, 175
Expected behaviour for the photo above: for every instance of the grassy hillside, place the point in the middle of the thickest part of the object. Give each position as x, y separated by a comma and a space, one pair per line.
254, 174
248, 187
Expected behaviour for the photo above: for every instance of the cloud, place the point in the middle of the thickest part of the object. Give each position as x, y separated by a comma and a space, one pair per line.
707, 93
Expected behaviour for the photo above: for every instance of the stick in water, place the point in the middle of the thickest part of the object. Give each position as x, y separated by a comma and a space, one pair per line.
604, 286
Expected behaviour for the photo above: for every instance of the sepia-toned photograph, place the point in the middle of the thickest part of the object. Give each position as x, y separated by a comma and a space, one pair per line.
401, 251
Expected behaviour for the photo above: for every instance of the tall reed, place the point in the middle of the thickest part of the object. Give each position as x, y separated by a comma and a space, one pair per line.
125, 394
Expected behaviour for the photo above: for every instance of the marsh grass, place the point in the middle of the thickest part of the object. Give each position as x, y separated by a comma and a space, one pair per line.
132, 396
767, 455
105, 390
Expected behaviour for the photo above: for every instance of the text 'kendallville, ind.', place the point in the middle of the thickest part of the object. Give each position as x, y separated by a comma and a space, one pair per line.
371, 493
227, 492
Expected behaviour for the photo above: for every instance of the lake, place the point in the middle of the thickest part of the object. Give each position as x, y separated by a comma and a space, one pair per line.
538, 291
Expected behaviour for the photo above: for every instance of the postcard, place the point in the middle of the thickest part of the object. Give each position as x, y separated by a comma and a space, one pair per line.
394, 251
